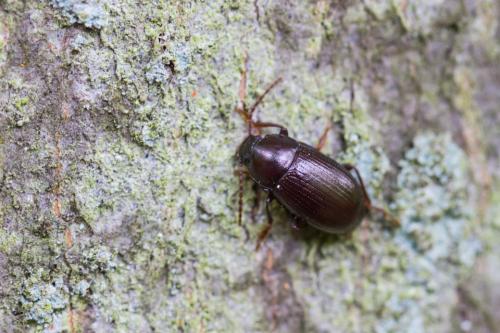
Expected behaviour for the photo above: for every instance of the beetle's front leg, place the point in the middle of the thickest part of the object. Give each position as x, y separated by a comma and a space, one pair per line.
256, 202
265, 232
241, 172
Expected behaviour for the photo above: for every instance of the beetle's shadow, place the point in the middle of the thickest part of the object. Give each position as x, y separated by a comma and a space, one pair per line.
308, 235
312, 245
301, 231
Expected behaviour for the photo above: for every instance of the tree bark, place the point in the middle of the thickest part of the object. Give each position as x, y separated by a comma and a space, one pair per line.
118, 198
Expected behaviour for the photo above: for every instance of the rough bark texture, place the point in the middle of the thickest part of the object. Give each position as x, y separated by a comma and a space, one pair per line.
118, 201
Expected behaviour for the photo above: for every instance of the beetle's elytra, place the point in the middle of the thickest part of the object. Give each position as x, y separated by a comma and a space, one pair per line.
311, 186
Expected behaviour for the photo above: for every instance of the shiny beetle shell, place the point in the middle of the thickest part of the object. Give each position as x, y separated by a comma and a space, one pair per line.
312, 186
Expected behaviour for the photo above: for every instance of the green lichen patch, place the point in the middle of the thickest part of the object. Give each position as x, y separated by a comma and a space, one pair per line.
20, 110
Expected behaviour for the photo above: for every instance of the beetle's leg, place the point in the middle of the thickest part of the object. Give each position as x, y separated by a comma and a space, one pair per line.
351, 167
297, 223
241, 173
240, 195
256, 202
324, 136
265, 232
241, 177
387, 216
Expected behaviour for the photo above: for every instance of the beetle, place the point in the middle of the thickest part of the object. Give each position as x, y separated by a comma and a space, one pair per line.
311, 186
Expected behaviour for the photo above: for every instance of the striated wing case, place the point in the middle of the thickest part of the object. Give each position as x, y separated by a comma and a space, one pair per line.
320, 190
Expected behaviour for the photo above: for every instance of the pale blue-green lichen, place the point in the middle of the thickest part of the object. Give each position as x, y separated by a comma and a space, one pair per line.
91, 14
41, 299
433, 199
82, 288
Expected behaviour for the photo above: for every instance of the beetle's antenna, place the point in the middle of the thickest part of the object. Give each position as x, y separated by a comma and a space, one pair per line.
259, 100
243, 88
241, 108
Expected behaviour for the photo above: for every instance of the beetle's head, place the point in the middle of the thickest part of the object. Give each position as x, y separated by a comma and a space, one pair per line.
246, 149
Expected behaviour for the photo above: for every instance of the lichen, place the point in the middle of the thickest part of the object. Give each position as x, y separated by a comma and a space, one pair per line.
4, 40
433, 198
98, 258
91, 14
41, 299
120, 194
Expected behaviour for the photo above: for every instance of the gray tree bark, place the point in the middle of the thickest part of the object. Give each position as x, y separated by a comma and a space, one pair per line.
118, 200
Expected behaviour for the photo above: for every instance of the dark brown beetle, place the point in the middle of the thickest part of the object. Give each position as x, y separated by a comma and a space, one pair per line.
313, 187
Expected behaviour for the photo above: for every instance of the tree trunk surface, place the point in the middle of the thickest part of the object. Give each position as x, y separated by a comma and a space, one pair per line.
118, 191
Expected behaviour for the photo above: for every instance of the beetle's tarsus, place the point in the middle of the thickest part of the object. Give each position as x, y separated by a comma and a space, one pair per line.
387, 216
262, 236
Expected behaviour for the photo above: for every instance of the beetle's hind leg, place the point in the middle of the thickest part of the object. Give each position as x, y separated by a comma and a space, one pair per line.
387, 216
322, 140
265, 232
297, 223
